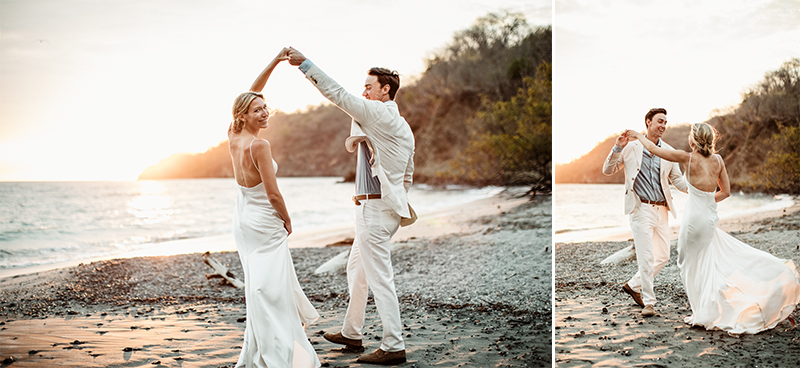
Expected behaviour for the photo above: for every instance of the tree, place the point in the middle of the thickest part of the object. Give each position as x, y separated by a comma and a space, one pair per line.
780, 172
513, 142
774, 105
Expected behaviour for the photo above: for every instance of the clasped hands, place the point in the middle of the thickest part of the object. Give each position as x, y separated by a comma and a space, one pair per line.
627, 136
291, 54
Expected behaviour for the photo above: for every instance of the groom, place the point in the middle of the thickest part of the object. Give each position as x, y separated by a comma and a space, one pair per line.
647, 200
384, 168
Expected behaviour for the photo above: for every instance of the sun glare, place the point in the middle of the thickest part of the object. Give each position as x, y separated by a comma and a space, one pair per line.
152, 205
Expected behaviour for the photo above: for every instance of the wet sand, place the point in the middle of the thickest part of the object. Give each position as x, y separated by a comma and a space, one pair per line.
598, 325
478, 297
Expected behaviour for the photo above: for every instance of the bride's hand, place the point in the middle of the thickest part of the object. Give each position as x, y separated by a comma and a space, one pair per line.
288, 226
622, 140
283, 55
632, 134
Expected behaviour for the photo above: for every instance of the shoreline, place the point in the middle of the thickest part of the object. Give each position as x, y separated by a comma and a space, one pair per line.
162, 311
437, 223
738, 221
596, 322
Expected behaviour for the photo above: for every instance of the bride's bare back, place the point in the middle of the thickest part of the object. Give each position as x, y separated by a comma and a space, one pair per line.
705, 172
244, 169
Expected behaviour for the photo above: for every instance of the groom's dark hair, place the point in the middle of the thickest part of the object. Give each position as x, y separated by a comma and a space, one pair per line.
653, 112
386, 76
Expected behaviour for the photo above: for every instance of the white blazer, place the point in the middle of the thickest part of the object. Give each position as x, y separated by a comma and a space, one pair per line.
388, 134
631, 160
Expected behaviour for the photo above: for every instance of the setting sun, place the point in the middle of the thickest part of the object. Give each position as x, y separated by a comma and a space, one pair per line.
101, 91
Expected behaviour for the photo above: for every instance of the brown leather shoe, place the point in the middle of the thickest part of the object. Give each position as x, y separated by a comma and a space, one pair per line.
337, 338
648, 311
637, 297
383, 358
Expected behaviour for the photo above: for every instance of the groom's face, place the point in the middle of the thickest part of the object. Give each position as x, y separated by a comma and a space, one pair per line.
657, 126
373, 90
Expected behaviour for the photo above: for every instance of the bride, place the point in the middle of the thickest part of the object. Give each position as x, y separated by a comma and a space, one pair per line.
277, 308
730, 285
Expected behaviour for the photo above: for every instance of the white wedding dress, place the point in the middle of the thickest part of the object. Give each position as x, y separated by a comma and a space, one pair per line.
277, 308
731, 286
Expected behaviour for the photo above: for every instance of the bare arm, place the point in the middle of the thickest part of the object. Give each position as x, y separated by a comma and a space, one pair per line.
667, 154
261, 80
263, 156
724, 184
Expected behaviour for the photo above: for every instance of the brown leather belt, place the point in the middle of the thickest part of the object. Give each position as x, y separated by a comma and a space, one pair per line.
357, 199
655, 203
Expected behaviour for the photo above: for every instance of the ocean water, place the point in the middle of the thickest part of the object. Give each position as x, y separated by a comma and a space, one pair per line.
44, 223
584, 212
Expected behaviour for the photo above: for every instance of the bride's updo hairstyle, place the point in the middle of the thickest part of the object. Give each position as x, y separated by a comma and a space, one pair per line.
240, 106
704, 137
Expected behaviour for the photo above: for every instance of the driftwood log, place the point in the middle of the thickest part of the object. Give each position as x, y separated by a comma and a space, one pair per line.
338, 263
623, 255
334, 265
220, 271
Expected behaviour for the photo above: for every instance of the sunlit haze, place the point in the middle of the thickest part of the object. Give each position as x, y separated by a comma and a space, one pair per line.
614, 60
100, 90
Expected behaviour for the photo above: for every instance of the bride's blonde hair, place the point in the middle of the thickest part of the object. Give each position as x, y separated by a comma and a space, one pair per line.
704, 137
240, 107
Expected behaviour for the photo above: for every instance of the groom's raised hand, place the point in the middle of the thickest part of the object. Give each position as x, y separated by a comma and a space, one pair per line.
295, 57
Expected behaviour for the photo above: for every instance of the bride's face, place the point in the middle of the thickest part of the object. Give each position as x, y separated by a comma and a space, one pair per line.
257, 114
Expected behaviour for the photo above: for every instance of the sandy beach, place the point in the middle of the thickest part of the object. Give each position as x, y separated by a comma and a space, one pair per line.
597, 324
475, 294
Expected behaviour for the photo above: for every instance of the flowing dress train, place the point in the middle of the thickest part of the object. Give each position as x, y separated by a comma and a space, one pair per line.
730, 285
277, 308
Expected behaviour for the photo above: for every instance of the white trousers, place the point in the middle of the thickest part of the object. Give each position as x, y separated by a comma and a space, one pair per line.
370, 267
650, 228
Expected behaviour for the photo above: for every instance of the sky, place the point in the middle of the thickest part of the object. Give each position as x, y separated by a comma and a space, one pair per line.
100, 90
614, 60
